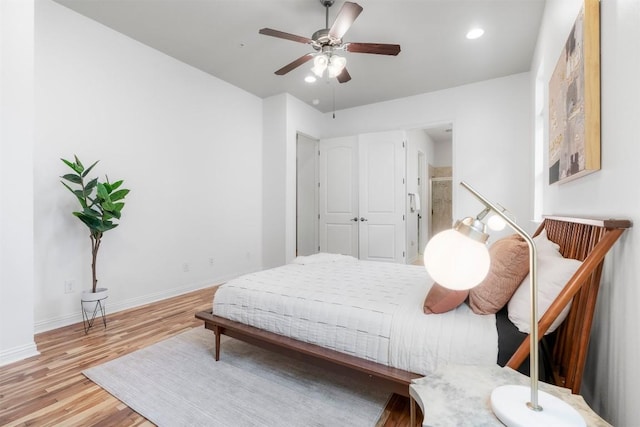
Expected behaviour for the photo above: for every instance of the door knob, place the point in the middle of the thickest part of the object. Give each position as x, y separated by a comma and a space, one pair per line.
354, 219
363, 219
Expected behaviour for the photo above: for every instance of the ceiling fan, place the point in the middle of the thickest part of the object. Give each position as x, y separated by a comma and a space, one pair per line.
327, 41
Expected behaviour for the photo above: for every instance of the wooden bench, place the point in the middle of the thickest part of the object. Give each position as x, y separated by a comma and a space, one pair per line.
587, 240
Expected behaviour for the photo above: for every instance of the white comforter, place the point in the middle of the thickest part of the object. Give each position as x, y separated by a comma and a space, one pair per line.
372, 310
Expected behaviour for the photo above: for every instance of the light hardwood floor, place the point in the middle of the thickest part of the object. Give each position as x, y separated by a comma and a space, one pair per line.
50, 390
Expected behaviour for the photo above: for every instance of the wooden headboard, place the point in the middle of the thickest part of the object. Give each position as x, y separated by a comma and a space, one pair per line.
587, 240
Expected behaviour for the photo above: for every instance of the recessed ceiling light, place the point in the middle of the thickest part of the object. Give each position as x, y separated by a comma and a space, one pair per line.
310, 79
475, 33
315, 102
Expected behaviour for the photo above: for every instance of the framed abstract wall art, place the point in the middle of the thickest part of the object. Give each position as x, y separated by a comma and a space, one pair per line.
574, 101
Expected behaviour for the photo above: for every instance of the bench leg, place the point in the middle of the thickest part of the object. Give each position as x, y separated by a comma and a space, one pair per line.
216, 331
412, 410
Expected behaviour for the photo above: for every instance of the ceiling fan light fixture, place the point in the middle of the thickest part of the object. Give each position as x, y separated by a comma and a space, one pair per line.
318, 71
336, 65
329, 39
320, 63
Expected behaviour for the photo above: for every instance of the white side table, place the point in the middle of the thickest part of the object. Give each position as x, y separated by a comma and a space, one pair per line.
457, 395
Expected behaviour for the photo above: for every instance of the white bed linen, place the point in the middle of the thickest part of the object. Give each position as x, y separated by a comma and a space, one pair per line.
372, 310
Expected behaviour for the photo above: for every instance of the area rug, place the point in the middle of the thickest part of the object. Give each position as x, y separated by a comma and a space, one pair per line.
177, 382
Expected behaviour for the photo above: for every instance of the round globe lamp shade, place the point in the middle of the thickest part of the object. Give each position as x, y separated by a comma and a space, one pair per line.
456, 261
496, 223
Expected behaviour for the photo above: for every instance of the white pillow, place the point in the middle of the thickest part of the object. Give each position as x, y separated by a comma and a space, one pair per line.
553, 273
544, 246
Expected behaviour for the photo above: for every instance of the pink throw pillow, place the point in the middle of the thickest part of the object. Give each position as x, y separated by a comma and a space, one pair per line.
441, 299
509, 267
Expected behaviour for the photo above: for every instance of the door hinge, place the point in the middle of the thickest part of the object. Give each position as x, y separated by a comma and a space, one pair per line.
318, 185
402, 144
403, 217
403, 180
318, 152
402, 254
318, 216
318, 248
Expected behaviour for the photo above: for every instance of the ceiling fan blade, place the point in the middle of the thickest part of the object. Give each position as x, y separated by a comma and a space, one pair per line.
376, 48
344, 76
283, 35
295, 64
345, 18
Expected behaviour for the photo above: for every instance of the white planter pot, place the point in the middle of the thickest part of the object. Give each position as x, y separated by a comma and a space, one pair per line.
90, 299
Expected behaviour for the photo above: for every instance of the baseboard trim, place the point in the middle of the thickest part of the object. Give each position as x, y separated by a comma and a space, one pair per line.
70, 319
18, 353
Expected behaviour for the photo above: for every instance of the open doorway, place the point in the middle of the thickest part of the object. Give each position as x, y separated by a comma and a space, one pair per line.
441, 204
429, 156
440, 179
306, 195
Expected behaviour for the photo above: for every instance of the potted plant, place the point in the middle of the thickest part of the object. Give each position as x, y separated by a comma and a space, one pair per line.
101, 206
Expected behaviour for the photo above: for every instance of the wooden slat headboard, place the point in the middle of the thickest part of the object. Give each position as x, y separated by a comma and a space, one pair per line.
587, 240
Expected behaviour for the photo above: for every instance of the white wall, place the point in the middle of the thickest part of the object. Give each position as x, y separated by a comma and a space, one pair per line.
612, 380
188, 145
274, 178
16, 180
492, 126
443, 154
284, 116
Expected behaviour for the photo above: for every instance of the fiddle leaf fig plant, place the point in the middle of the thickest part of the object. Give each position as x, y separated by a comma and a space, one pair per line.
101, 204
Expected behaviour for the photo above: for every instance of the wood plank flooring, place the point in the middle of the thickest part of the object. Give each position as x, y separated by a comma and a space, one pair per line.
50, 390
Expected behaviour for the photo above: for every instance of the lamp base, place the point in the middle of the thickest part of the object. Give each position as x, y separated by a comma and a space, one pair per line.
509, 404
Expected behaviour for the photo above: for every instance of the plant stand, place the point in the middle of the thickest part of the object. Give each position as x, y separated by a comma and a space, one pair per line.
89, 318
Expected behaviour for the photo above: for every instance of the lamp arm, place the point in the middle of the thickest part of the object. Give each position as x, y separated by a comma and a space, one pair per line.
533, 280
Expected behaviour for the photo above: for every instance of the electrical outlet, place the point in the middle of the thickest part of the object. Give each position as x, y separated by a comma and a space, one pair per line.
210, 262
69, 286
185, 267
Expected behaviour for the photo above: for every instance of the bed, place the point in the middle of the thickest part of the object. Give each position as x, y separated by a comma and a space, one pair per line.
332, 309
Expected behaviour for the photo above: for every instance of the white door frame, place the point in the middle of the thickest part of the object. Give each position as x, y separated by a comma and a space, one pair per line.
425, 204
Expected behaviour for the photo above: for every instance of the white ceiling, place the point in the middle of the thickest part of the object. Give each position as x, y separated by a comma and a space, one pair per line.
221, 38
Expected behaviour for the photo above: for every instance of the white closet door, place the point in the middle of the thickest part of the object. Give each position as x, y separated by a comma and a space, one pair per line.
339, 196
382, 196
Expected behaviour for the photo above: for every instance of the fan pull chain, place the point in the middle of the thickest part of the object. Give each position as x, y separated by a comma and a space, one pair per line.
333, 91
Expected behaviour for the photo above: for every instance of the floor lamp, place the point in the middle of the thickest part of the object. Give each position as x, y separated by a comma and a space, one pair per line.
459, 259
